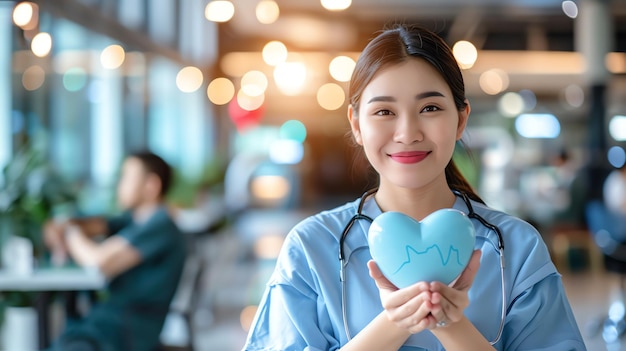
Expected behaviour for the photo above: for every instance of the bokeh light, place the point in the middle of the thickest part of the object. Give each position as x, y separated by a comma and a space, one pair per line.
341, 68
330, 96
511, 104
26, 15
574, 95
540, 126
290, 77
267, 247
615, 62
254, 83
74, 79
220, 91
569, 8
274, 52
219, 11
286, 152
616, 156
267, 11
617, 128
112, 56
465, 54
530, 99
249, 103
189, 79
41, 44
33, 78
336, 5
270, 187
494, 81
293, 130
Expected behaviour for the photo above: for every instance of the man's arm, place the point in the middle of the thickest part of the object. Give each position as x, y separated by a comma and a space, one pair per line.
113, 256
90, 226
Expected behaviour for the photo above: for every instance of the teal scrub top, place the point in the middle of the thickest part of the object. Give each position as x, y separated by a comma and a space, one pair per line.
132, 316
301, 307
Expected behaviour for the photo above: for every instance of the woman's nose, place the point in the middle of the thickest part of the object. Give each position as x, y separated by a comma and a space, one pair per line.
408, 129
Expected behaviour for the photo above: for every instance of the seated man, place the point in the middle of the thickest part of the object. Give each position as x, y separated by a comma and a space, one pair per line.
142, 256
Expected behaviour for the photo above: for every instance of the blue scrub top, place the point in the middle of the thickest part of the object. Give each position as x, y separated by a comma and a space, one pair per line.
301, 306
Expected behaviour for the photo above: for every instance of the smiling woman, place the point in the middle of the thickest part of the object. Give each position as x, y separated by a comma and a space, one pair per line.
407, 111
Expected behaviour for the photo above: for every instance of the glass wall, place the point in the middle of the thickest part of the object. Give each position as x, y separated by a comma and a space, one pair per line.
86, 97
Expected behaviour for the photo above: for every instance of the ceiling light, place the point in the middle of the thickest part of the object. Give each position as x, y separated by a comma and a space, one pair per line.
341, 68
465, 54
189, 79
274, 53
336, 5
570, 9
26, 15
493, 81
220, 91
219, 11
112, 57
267, 11
41, 44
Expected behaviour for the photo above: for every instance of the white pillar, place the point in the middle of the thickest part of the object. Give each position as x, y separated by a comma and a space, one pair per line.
594, 34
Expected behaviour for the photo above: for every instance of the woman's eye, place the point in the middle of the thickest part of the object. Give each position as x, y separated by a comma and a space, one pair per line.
383, 113
431, 108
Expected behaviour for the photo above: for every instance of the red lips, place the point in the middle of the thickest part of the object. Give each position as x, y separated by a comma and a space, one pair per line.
408, 157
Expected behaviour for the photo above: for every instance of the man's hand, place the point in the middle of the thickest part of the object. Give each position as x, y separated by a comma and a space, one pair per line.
54, 239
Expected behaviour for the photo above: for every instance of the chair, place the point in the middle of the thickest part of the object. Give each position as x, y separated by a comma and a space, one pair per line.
177, 333
609, 234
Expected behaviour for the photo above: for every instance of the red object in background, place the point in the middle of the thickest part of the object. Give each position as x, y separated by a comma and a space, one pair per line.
244, 119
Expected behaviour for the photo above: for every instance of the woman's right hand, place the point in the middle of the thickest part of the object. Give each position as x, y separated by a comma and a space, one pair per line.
409, 308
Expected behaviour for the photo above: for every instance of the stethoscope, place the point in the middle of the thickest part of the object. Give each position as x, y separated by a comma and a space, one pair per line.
471, 214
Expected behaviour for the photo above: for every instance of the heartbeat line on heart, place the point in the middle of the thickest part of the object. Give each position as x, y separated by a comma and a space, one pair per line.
444, 261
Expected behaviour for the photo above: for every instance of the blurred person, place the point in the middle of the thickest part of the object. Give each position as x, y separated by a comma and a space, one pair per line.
614, 190
407, 111
142, 255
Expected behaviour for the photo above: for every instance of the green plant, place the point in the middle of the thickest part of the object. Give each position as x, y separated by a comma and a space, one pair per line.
30, 191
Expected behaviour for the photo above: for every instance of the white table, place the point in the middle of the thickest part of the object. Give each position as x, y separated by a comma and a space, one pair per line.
47, 280
53, 279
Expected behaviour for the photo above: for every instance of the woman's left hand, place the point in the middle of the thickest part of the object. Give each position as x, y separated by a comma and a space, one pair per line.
449, 302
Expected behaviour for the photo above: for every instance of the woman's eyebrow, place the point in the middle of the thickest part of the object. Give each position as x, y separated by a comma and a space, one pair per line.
419, 96
428, 94
382, 98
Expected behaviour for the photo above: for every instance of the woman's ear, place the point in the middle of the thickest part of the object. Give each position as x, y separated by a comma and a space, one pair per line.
354, 125
463, 117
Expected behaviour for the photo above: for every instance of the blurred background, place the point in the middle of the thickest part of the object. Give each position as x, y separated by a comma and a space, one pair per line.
247, 100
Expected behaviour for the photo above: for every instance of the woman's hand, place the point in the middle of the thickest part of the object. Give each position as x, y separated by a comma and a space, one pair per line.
449, 302
408, 308
423, 305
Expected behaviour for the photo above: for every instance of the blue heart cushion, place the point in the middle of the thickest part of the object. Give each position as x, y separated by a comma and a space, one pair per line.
436, 249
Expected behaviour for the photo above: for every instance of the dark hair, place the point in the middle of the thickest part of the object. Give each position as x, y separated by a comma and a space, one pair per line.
397, 45
156, 165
